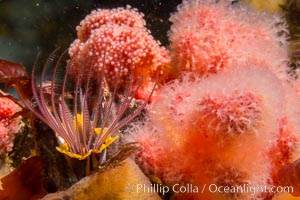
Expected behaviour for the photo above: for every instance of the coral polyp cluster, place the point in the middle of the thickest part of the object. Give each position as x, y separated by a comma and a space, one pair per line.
207, 37
236, 114
118, 42
230, 118
119, 16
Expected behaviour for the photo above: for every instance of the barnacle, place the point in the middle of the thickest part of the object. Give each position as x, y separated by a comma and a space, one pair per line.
84, 113
64, 148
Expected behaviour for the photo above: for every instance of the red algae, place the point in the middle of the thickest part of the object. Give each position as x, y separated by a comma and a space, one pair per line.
26, 182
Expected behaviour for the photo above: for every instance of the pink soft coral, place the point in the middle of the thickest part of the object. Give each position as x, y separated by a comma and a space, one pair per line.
118, 16
118, 42
207, 36
234, 120
222, 128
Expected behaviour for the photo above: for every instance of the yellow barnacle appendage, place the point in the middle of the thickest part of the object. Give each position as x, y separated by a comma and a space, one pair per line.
98, 131
78, 124
79, 120
64, 148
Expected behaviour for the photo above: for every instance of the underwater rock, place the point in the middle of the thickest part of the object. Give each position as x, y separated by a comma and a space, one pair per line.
117, 183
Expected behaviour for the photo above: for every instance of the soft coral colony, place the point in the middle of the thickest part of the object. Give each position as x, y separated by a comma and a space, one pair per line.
228, 117
232, 117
